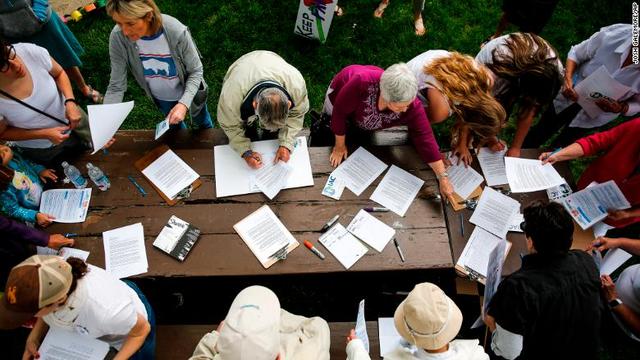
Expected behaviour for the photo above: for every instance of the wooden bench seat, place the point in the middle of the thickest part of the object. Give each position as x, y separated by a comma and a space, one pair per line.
177, 342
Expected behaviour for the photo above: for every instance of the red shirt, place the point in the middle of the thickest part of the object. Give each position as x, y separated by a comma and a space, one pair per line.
356, 89
620, 162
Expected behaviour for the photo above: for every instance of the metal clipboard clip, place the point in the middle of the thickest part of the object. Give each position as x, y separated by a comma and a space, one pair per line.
185, 193
280, 254
472, 274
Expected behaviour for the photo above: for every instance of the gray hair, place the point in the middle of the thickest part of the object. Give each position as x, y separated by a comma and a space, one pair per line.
272, 108
398, 83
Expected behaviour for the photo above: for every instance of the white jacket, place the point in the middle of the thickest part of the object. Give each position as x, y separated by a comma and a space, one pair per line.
458, 350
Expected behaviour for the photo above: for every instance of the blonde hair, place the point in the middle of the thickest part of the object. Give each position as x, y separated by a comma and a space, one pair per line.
137, 9
467, 85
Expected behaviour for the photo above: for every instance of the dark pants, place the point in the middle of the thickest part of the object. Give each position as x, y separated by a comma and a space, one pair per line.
52, 157
148, 349
550, 123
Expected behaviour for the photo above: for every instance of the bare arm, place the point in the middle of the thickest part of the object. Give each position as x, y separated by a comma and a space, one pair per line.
571, 152
64, 86
56, 135
525, 119
135, 339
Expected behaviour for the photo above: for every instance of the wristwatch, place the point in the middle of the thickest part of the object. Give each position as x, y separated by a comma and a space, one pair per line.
614, 303
442, 175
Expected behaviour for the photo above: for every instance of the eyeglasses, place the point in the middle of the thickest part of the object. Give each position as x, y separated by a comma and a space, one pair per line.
523, 226
11, 51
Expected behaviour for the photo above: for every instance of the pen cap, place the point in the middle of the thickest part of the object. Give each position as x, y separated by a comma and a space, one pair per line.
308, 244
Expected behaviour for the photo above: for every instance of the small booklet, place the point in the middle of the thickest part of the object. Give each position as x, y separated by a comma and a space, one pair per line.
177, 238
266, 236
590, 205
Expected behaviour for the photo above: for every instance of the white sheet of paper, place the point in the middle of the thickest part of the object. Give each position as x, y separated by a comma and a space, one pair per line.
371, 231
494, 212
388, 336
170, 174
527, 175
105, 120
397, 190
359, 170
233, 175
492, 165
464, 179
162, 127
334, 187
594, 87
124, 251
516, 220
494, 274
475, 255
600, 229
590, 205
612, 260
65, 252
343, 245
264, 233
61, 344
361, 326
66, 205
271, 178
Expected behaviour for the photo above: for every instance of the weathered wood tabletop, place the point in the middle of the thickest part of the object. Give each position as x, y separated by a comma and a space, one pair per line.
220, 251
456, 220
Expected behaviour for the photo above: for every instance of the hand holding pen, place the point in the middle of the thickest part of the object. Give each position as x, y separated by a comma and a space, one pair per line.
253, 159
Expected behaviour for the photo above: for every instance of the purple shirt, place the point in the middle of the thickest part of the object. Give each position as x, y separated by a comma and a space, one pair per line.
356, 89
13, 230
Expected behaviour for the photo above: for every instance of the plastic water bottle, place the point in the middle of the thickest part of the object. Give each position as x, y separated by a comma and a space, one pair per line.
98, 177
73, 174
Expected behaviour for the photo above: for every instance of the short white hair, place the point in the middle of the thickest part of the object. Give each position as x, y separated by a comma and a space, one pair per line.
398, 83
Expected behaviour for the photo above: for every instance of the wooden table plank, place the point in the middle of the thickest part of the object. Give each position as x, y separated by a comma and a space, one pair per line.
519, 246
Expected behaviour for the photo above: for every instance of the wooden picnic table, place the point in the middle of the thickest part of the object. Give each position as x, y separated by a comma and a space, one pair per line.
460, 219
220, 259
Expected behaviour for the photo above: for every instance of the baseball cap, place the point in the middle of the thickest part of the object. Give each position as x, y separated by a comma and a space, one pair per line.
35, 283
251, 330
428, 318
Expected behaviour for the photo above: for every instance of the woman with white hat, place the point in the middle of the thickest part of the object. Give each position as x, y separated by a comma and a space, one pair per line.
429, 321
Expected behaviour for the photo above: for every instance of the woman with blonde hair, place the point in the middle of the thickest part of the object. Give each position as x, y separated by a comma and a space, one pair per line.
163, 59
453, 84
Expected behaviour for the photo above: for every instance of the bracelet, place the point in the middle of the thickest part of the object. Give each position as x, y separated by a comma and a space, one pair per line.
70, 100
443, 175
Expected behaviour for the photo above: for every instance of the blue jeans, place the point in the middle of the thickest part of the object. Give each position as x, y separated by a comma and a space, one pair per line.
148, 349
202, 121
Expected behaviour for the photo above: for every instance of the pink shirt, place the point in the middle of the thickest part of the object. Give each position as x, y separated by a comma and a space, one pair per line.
356, 89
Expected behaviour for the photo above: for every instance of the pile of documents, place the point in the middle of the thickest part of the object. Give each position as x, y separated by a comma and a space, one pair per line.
124, 251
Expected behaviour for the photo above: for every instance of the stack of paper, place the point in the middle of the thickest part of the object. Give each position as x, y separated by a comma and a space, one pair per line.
611, 261
494, 274
590, 205
492, 165
464, 179
495, 212
265, 235
170, 174
124, 251
66, 205
527, 175
271, 178
62, 344
598, 85
397, 190
234, 177
370, 230
343, 245
359, 170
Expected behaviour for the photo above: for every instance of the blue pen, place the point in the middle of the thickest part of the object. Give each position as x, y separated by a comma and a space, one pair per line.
69, 235
135, 183
553, 152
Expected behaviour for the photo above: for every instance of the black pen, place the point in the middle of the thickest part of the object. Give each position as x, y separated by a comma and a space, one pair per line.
395, 241
330, 223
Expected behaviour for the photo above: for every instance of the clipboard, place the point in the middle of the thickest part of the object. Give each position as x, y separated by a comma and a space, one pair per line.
149, 158
457, 199
473, 275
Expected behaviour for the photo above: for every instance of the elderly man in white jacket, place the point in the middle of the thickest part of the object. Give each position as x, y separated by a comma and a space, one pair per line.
429, 321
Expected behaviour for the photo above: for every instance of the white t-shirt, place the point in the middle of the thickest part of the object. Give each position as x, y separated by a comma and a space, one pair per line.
628, 287
101, 307
159, 68
427, 81
44, 96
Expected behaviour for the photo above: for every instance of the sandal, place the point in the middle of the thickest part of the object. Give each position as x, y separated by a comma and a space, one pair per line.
380, 10
94, 95
419, 26
339, 11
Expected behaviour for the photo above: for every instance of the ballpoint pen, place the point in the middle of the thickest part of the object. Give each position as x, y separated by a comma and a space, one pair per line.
395, 241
